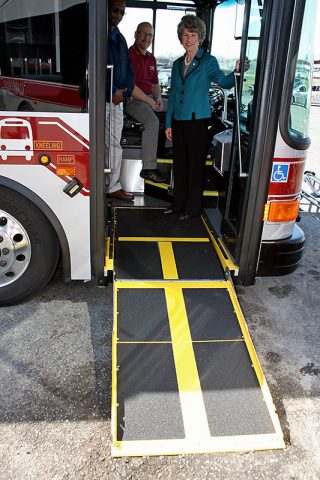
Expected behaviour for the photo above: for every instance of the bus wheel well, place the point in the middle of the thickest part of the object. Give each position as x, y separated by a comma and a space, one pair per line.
28, 195
25, 107
29, 248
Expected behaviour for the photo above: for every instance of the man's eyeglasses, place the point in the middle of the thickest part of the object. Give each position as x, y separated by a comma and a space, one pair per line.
150, 35
118, 10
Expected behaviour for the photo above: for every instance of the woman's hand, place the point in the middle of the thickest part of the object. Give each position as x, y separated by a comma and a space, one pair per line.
168, 132
246, 65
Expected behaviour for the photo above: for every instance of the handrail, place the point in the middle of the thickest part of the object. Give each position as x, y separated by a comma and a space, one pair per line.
108, 162
237, 74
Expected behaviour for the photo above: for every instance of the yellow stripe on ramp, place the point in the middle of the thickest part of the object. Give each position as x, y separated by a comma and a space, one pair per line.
192, 404
168, 262
191, 399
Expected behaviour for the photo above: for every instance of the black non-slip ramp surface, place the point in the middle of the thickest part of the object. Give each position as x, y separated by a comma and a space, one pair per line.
137, 260
197, 261
136, 222
211, 314
142, 260
231, 392
148, 395
149, 307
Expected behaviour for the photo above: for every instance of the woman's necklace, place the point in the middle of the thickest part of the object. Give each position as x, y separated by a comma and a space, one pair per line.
187, 63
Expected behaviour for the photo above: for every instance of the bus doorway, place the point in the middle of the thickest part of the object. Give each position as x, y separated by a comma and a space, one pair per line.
267, 157
253, 212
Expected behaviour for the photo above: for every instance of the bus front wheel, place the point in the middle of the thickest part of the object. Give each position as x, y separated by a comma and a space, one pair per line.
29, 248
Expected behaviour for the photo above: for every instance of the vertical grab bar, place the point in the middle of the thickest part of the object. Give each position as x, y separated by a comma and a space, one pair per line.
108, 165
237, 74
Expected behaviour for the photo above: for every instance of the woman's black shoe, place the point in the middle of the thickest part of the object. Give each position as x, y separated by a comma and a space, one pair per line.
168, 211
186, 216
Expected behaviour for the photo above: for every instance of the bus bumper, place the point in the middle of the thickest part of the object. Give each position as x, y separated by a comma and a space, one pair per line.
280, 257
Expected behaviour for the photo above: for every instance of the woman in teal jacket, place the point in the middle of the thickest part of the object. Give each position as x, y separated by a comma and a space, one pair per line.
188, 115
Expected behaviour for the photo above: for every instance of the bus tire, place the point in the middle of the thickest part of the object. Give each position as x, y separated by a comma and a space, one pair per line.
29, 248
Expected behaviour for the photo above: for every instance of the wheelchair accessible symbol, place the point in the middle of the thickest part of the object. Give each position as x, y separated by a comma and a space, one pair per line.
280, 172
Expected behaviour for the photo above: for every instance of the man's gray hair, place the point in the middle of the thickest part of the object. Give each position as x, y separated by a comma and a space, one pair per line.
194, 24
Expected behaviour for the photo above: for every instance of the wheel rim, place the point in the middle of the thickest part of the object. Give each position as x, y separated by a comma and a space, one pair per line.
15, 249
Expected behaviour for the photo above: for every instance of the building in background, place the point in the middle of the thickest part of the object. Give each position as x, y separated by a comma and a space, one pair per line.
315, 95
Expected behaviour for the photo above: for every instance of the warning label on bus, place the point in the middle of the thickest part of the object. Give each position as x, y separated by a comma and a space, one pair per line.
66, 171
47, 145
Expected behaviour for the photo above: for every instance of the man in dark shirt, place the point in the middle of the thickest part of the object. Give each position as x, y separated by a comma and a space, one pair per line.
146, 100
123, 83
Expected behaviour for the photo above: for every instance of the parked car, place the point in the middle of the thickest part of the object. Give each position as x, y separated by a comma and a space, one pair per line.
300, 95
315, 95
164, 75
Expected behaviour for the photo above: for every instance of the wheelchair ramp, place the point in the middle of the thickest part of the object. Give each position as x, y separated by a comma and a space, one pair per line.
186, 377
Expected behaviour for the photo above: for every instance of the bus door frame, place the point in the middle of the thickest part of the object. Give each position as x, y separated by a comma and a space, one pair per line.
98, 32
271, 68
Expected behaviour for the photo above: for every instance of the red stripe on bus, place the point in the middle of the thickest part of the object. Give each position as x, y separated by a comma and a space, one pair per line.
48, 92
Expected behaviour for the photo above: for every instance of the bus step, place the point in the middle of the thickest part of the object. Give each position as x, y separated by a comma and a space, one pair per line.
209, 162
166, 186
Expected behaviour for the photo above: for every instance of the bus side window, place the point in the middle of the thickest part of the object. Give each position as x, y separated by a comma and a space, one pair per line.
45, 56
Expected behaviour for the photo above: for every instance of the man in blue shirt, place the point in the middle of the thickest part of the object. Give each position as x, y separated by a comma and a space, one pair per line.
123, 83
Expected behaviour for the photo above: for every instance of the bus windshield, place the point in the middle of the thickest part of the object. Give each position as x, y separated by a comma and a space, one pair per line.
301, 92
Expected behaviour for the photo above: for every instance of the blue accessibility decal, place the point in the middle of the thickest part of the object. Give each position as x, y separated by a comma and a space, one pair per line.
280, 172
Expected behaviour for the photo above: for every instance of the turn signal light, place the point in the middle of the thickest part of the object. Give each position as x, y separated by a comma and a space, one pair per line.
282, 211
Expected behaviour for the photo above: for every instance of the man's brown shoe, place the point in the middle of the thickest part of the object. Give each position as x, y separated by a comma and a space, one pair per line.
122, 195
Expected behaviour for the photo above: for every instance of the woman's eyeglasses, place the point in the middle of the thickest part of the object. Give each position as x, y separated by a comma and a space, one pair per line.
119, 10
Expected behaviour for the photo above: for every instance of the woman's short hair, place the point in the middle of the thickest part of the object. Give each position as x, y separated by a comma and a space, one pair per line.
194, 24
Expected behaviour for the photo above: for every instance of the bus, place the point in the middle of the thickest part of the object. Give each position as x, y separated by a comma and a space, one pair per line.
185, 374
52, 159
